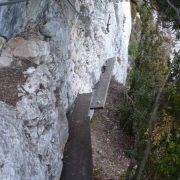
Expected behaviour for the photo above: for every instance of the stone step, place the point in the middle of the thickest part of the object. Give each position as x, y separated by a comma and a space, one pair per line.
101, 89
77, 161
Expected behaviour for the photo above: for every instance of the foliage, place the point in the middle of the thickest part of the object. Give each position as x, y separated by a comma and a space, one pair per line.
167, 14
150, 66
133, 9
162, 130
133, 46
164, 162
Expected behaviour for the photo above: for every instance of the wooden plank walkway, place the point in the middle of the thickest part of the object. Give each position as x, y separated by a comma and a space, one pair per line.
100, 94
78, 151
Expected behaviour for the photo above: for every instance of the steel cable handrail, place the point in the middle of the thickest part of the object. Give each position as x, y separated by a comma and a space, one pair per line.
12, 2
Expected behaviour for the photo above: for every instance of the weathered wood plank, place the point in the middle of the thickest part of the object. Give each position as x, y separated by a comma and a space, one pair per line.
99, 95
78, 153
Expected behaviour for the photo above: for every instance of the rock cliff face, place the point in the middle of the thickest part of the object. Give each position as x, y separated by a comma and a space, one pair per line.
49, 52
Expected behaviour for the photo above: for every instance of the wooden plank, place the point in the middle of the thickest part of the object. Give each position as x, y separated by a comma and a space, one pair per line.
77, 161
99, 95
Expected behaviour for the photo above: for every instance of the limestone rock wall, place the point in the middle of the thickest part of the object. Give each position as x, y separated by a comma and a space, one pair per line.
49, 52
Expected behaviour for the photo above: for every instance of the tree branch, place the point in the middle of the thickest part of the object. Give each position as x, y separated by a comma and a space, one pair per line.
150, 129
175, 8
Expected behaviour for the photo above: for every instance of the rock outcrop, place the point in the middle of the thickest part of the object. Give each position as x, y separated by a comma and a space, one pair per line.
51, 51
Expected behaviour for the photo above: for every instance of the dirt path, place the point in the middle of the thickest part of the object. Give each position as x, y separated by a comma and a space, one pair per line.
108, 141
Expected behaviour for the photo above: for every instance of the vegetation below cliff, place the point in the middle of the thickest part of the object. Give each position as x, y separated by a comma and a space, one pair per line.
150, 110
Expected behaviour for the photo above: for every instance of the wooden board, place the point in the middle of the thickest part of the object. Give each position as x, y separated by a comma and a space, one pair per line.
100, 93
77, 161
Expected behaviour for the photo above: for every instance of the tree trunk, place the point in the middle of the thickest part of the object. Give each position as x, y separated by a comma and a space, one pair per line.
175, 9
150, 130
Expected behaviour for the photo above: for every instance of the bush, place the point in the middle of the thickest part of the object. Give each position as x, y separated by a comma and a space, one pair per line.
151, 64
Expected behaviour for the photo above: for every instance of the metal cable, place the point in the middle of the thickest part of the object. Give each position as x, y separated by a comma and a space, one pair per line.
13, 2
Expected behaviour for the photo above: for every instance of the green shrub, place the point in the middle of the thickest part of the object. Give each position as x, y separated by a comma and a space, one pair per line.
151, 64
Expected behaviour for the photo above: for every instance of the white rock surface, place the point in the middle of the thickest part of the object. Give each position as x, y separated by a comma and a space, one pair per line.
5, 61
32, 49
70, 63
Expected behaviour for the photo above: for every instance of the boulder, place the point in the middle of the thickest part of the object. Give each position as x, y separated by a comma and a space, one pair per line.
5, 61
15, 42
32, 49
